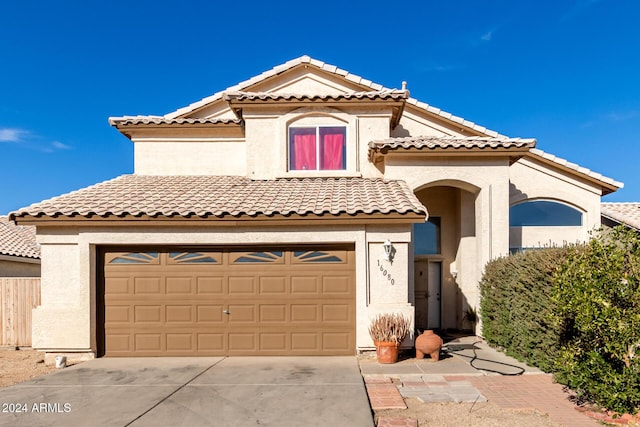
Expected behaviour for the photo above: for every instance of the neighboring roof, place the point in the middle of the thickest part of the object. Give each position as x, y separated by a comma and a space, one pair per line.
623, 213
332, 69
609, 184
229, 196
18, 240
452, 142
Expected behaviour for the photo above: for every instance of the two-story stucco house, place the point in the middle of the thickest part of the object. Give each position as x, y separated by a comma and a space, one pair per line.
256, 219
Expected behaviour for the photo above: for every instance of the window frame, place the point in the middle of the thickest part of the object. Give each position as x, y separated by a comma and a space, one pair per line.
436, 222
550, 202
318, 144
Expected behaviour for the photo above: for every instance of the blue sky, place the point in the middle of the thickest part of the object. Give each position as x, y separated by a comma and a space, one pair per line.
564, 72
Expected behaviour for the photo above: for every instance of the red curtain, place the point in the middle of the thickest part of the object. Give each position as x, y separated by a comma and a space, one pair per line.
333, 151
304, 151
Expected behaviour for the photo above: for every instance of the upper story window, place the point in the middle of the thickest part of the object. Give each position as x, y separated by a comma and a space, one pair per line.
543, 213
317, 148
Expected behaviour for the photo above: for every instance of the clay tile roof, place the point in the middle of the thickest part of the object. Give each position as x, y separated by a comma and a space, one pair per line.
146, 120
18, 240
222, 196
391, 94
303, 60
452, 142
625, 213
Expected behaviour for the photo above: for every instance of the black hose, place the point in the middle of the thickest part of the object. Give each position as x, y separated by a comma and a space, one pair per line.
475, 357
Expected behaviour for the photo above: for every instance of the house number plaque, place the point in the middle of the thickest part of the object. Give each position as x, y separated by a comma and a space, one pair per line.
386, 274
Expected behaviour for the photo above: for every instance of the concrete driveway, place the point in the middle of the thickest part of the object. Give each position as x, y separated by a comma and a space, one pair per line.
204, 391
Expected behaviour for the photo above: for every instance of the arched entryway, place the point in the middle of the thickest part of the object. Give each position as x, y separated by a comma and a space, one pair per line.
445, 263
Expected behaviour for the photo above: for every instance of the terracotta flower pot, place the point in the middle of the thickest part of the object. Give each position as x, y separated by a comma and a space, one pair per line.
428, 343
387, 352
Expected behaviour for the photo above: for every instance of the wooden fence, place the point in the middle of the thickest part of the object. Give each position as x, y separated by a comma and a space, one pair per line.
18, 296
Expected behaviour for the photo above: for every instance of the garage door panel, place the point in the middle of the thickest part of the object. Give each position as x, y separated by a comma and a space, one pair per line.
207, 314
119, 342
178, 286
274, 286
242, 341
270, 313
179, 342
242, 286
278, 303
305, 313
118, 314
305, 341
336, 285
339, 341
179, 314
210, 285
305, 285
273, 341
210, 342
118, 286
336, 313
148, 342
245, 313
147, 314
147, 285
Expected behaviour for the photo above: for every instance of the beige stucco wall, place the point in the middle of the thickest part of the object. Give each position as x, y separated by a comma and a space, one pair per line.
11, 266
266, 133
532, 180
65, 322
190, 157
482, 207
417, 122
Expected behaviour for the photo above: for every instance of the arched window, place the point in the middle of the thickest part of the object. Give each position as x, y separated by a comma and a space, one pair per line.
543, 213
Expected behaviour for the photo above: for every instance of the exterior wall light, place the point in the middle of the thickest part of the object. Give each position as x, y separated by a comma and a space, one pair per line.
389, 250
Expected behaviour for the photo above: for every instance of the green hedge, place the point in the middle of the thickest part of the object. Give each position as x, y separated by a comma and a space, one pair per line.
573, 311
597, 292
516, 309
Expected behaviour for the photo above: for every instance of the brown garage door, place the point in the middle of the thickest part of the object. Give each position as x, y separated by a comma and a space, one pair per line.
187, 302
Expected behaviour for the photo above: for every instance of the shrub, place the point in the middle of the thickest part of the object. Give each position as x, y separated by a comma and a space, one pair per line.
516, 309
597, 294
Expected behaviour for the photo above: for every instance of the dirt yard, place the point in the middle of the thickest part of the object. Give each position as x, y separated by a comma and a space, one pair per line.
483, 414
17, 366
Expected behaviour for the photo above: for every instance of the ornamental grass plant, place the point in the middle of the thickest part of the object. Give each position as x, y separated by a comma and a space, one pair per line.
389, 328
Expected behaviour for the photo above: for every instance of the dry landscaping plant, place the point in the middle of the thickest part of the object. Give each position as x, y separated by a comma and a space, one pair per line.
389, 328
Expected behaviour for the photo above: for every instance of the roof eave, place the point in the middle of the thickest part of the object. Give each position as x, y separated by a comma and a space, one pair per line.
19, 258
512, 153
128, 129
226, 220
619, 221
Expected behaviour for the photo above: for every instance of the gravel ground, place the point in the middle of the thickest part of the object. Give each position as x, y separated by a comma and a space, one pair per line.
17, 366
483, 414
